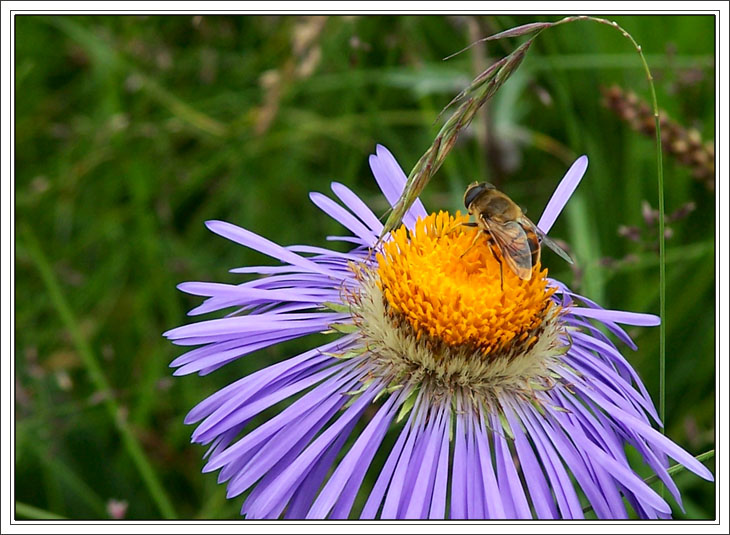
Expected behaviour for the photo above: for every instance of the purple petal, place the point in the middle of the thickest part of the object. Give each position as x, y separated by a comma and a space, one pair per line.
345, 218
603, 430
513, 494
270, 270
262, 245
217, 409
495, 508
230, 415
255, 343
224, 440
600, 372
258, 506
349, 493
610, 490
659, 441
307, 490
562, 486
238, 456
458, 470
657, 465
314, 451
357, 207
203, 351
570, 420
240, 325
393, 498
357, 460
562, 194
476, 500
235, 411
597, 392
615, 329
291, 439
323, 252
269, 302
241, 295
438, 499
426, 468
263, 433
297, 364
376, 494
538, 487
234, 467
618, 316
573, 459
610, 351
348, 239
415, 462
620, 472
392, 180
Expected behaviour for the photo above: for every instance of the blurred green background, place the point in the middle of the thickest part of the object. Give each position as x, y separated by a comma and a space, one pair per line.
131, 131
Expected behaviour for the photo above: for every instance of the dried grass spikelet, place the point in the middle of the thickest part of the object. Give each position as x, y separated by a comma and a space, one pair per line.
684, 144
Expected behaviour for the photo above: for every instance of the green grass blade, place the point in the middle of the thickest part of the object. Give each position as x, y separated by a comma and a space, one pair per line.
662, 272
35, 513
91, 363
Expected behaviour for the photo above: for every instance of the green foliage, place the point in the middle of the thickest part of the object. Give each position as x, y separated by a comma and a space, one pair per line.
132, 131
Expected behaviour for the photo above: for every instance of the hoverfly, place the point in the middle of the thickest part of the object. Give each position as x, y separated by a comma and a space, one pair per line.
508, 229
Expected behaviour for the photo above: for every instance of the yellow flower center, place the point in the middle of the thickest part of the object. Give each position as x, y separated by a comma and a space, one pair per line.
431, 313
447, 287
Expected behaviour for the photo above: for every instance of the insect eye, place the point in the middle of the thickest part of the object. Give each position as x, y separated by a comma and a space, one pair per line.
473, 191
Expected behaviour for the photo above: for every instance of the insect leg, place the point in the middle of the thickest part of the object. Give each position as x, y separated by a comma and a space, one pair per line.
473, 243
457, 225
501, 275
495, 254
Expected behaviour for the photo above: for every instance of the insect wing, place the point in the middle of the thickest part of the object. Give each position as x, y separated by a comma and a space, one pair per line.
555, 247
514, 245
544, 240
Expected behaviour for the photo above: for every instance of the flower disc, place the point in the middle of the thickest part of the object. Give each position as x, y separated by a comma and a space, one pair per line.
445, 282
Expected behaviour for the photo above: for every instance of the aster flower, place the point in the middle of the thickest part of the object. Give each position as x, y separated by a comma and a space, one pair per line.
505, 403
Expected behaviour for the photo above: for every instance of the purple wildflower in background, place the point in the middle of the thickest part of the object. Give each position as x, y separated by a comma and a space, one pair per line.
505, 397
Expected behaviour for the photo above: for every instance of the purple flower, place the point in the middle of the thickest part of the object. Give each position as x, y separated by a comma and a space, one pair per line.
504, 397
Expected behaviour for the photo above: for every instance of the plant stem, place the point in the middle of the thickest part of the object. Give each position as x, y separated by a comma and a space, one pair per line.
660, 184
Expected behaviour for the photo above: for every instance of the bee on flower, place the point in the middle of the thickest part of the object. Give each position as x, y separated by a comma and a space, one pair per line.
506, 399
